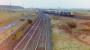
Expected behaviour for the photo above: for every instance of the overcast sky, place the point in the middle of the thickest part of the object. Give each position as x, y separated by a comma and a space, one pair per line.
49, 3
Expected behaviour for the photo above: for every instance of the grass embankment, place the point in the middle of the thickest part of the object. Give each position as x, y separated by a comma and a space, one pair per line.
10, 16
7, 17
61, 38
19, 18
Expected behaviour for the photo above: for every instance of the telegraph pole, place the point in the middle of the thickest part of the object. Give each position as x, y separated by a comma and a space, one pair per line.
10, 2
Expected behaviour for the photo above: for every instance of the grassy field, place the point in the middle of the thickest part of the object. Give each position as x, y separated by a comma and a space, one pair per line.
62, 30
10, 16
7, 17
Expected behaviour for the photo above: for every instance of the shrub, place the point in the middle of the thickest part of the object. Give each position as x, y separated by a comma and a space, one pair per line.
72, 24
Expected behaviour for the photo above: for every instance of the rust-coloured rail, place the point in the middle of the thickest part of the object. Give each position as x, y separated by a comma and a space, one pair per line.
32, 38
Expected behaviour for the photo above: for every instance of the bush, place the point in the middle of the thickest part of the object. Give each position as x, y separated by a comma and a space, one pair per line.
65, 27
71, 24
29, 21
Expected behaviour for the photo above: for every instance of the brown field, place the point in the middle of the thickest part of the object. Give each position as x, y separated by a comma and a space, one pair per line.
8, 17
70, 33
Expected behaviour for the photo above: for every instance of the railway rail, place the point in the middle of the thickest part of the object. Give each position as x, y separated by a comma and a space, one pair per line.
36, 37
9, 42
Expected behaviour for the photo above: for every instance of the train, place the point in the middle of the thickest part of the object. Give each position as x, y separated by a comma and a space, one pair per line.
60, 13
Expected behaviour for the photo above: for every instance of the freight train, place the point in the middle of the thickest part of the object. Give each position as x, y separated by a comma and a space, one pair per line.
60, 13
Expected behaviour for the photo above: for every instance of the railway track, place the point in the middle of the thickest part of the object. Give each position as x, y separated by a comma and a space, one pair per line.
37, 37
10, 41
44, 43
